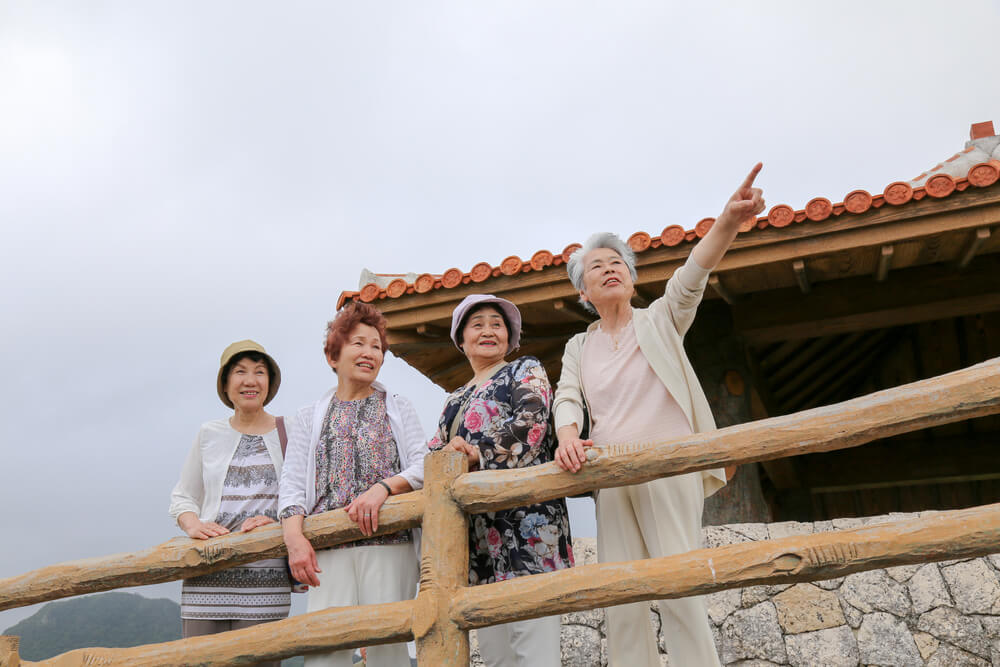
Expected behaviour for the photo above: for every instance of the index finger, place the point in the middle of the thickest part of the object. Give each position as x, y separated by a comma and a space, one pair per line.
748, 181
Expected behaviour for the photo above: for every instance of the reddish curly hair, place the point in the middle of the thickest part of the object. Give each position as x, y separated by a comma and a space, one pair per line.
350, 316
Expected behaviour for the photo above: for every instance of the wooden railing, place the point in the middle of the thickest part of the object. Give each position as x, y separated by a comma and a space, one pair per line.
446, 608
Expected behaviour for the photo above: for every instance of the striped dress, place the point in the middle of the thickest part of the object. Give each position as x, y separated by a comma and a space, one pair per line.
255, 591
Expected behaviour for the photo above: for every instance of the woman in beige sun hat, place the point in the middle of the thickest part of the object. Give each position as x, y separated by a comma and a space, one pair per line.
229, 482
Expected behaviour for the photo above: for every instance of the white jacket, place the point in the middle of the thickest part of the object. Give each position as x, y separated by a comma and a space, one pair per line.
660, 330
200, 487
298, 478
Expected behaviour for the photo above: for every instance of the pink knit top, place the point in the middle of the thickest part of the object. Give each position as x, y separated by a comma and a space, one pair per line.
628, 403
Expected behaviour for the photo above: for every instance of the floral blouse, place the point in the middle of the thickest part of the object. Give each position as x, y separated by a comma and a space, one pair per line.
507, 418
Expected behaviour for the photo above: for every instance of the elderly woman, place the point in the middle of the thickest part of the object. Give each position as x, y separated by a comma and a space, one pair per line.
500, 420
629, 371
352, 449
230, 482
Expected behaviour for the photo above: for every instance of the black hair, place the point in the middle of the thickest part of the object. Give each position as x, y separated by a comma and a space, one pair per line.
253, 356
475, 309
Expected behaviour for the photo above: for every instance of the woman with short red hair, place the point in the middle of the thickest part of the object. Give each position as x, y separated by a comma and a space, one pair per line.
352, 449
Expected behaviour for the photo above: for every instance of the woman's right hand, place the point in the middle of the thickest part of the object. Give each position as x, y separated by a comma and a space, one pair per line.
471, 452
301, 555
571, 453
199, 530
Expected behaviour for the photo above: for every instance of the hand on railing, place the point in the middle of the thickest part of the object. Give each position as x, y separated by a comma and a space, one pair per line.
363, 510
255, 522
459, 444
199, 530
571, 453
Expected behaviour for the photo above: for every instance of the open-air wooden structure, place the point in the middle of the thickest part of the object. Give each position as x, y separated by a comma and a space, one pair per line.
809, 307
446, 608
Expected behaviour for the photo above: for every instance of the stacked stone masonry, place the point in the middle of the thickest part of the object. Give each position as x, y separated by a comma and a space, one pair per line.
935, 614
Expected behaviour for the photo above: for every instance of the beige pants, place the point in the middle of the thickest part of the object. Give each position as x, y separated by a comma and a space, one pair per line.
532, 643
651, 520
359, 576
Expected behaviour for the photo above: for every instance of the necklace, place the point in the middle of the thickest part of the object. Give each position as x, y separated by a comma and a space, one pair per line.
615, 336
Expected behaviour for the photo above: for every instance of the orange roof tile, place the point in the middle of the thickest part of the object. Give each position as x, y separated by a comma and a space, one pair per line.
977, 165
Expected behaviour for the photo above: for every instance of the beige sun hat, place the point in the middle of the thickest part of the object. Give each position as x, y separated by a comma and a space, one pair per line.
247, 346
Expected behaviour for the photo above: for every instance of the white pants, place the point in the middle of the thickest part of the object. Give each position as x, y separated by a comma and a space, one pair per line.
359, 576
652, 520
532, 643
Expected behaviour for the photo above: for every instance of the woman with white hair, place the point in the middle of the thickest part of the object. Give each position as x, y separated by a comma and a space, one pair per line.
630, 374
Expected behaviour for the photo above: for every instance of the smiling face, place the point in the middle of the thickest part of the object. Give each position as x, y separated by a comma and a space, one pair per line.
247, 384
360, 356
606, 278
484, 335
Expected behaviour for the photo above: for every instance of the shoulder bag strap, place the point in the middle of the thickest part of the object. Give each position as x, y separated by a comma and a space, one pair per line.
279, 422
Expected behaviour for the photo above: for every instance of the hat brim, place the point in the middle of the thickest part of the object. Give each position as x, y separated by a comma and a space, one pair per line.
272, 385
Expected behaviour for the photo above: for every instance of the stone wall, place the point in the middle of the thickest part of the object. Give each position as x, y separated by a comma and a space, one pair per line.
944, 613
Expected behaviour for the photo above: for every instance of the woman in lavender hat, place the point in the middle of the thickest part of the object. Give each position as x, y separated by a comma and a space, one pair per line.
500, 420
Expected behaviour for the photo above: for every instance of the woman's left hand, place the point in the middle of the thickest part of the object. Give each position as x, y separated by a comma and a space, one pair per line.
255, 522
363, 510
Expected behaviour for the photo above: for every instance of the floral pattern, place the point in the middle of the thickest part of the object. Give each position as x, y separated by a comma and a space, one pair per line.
507, 418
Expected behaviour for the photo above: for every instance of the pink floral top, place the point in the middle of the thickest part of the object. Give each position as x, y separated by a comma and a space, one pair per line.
507, 418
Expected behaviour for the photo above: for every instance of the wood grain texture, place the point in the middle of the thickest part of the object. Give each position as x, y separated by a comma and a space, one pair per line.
328, 630
946, 535
183, 557
965, 394
444, 564
9, 651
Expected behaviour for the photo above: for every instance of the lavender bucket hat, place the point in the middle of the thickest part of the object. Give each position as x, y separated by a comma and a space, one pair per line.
509, 310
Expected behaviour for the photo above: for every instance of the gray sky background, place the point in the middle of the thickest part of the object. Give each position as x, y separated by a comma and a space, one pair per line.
175, 176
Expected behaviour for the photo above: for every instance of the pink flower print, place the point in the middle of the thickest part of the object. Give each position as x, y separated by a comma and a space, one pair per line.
473, 421
491, 409
493, 541
535, 434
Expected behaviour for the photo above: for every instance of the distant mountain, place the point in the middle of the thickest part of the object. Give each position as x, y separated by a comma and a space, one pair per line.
110, 619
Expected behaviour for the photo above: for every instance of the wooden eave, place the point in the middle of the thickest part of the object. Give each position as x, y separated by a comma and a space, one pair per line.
777, 281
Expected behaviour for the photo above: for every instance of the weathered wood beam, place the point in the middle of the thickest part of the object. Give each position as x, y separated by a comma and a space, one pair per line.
799, 267
9, 656
978, 239
332, 629
968, 210
933, 537
402, 337
965, 394
913, 295
884, 262
431, 331
444, 565
182, 557
850, 350
861, 365
715, 282
573, 310
832, 356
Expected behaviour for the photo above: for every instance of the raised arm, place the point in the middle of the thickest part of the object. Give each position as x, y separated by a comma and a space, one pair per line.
746, 201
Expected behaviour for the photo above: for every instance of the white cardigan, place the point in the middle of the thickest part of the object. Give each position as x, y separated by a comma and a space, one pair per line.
200, 487
660, 330
298, 478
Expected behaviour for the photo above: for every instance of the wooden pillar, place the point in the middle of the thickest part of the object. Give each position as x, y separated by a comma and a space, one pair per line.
719, 359
444, 565
8, 651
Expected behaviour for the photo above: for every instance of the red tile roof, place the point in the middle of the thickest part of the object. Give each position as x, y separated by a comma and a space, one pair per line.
956, 174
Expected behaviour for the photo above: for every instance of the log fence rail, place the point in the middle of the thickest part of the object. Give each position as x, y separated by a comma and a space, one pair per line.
446, 608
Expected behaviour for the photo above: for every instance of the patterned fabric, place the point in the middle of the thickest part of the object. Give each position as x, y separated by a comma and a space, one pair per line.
256, 591
356, 450
507, 418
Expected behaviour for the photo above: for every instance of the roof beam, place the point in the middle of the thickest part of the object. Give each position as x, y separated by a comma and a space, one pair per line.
979, 238
884, 263
920, 294
799, 267
573, 310
715, 282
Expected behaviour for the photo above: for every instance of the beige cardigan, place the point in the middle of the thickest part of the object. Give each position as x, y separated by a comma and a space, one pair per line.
660, 330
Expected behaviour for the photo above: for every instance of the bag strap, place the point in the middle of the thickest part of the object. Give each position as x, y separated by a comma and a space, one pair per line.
279, 422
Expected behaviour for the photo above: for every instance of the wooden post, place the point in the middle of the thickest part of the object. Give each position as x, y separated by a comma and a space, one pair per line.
444, 565
8, 651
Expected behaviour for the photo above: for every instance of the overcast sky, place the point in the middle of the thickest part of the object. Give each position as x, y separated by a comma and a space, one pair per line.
175, 176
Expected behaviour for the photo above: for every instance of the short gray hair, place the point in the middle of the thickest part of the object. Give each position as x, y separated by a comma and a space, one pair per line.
609, 240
